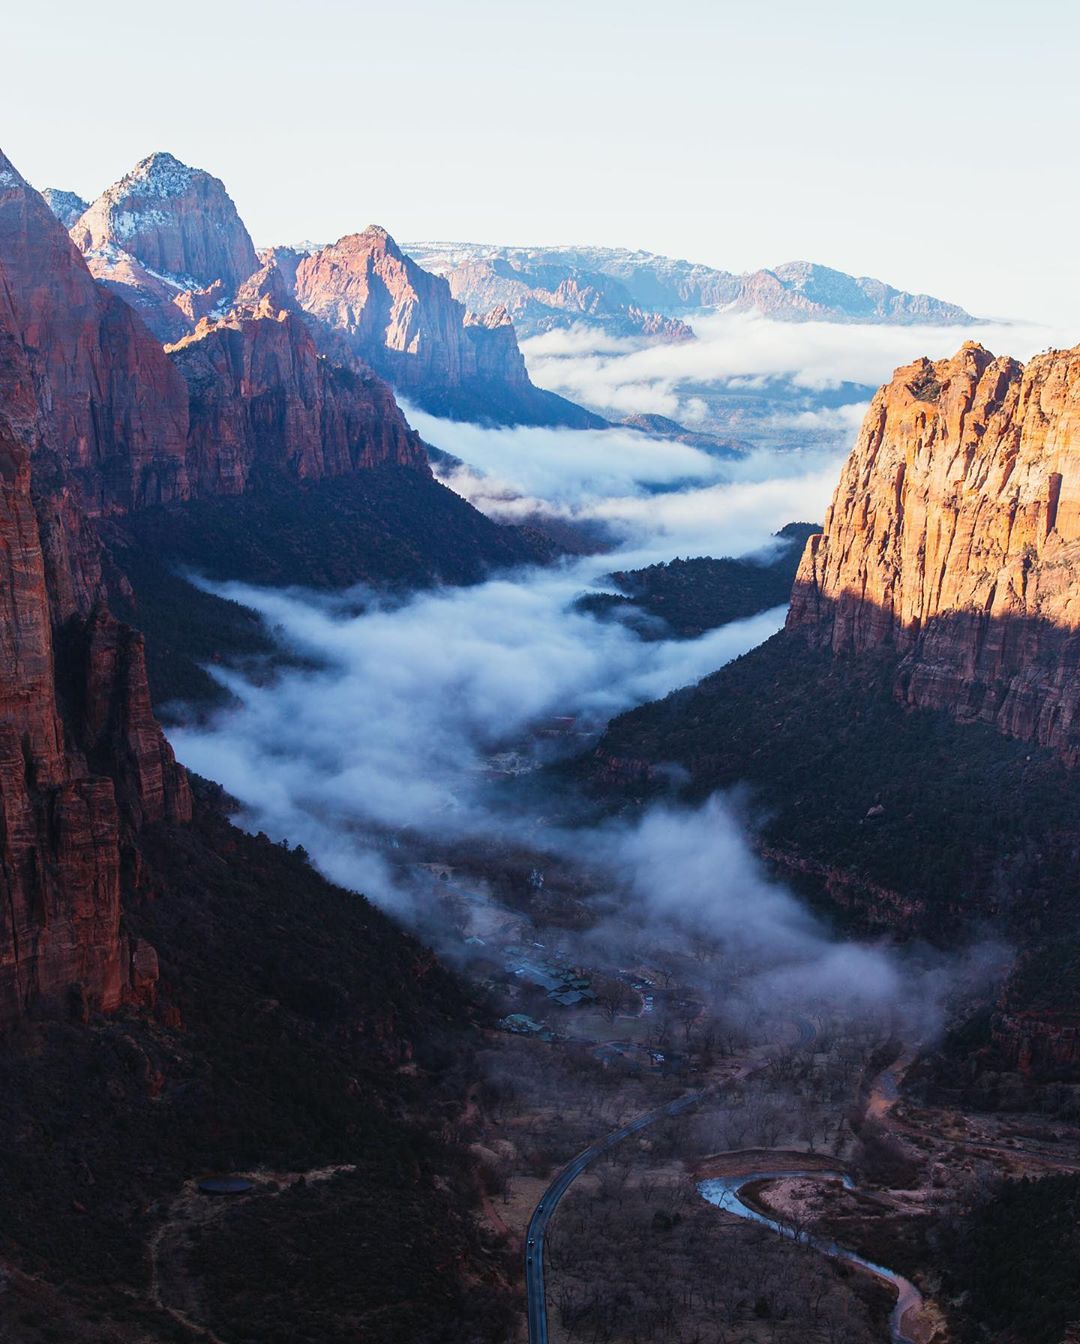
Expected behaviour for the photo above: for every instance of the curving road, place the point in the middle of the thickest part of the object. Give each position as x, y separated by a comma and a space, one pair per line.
535, 1291
534, 1249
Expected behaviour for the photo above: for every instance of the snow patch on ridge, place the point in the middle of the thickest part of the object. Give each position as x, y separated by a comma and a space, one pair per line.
159, 175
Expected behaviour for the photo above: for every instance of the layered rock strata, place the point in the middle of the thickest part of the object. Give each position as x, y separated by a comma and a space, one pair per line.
954, 539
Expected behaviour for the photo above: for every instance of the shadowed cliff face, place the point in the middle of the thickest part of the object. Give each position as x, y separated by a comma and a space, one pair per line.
79, 771
954, 538
261, 395
83, 763
109, 403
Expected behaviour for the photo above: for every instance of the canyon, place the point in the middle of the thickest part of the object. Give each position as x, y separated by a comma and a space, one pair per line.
903, 749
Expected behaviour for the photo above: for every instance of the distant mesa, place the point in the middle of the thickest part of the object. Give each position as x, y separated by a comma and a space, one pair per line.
542, 291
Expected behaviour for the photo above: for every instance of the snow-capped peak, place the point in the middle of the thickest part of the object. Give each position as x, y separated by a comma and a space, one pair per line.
160, 174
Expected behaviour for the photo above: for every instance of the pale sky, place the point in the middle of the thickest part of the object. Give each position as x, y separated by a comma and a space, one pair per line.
933, 145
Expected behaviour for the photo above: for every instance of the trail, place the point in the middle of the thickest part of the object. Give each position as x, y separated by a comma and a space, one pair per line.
170, 1290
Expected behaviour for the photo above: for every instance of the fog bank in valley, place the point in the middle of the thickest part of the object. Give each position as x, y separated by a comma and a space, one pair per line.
814, 364
408, 703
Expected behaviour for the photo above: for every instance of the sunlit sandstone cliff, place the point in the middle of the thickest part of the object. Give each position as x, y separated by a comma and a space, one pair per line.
954, 539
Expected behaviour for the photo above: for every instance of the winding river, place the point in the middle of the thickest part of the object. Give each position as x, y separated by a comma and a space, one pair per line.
726, 1193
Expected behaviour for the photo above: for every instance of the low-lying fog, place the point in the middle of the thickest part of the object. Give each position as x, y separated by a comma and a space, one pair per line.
416, 703
413, 697
747, 375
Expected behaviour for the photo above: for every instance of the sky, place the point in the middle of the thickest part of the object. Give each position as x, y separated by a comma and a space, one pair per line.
929, 144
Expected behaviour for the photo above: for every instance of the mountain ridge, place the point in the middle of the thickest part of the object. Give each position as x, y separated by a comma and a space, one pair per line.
661, 288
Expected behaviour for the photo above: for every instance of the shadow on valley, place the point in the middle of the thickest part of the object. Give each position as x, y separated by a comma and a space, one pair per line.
891, 818
391, 527
687, 597
296, 1028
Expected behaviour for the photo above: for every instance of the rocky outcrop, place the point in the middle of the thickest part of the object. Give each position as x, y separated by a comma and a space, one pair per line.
110, 406
167, 239
804, 290
65, 205
495, 348
399, 318
954, 537
178, 222
264, 400
405, 323
1038, 1042
542, 297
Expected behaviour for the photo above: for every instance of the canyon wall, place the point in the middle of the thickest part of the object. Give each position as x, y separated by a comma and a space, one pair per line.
953, 539
98, 424
110, 404
92, 420
262, 398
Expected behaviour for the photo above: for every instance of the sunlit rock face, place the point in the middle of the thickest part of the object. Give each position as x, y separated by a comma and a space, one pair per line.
366, 297
178, 222
954, 538
167, 239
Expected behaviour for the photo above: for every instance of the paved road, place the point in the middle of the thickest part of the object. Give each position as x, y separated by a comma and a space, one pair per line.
534, 1247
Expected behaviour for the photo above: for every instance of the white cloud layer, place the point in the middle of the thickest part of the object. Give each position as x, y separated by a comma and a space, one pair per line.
397, 728
737, 351
661, 498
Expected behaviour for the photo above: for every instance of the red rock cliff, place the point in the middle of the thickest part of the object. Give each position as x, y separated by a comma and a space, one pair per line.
110, 404
263, 398
396, 316
83, 764
954, 539
365, 294
178, 222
